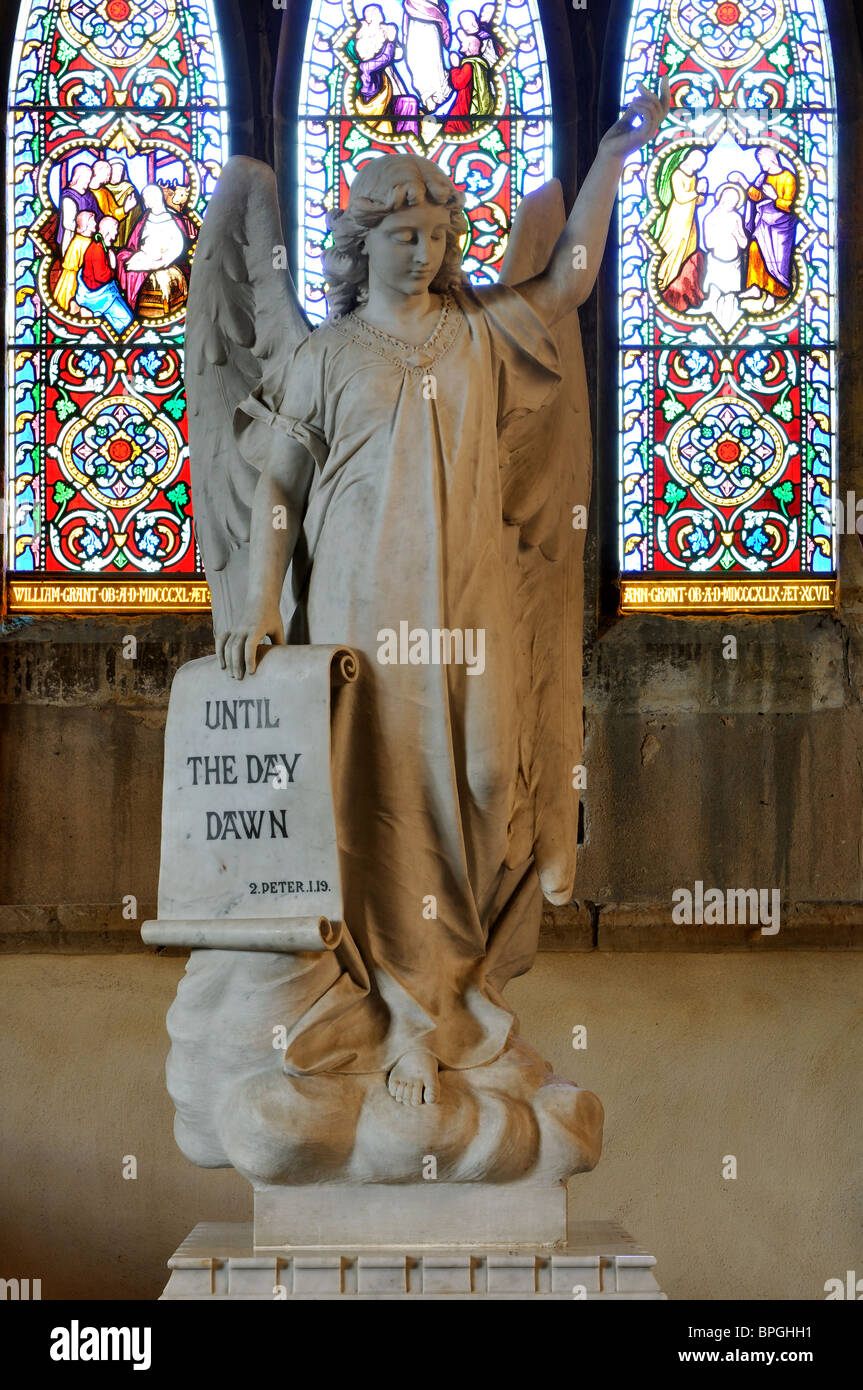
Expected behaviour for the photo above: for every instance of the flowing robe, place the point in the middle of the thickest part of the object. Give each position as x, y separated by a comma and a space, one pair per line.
724, 238
404, 524
109, 204
682, 267
67, 285
772, 226
159, 239
377, 85
120, 194
474, 95
97, 289
71, 203
426, 31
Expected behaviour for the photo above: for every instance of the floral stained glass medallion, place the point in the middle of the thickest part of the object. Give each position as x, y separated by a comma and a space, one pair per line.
117, 132
727, 318
468, 89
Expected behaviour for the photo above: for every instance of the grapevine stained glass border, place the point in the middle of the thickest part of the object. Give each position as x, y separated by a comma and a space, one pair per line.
727, 312
468, 89
117, 132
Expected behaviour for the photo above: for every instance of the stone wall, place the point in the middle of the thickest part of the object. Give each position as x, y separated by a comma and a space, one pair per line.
739, 773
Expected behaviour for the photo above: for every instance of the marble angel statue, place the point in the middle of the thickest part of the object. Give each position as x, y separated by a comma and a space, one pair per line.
424, 447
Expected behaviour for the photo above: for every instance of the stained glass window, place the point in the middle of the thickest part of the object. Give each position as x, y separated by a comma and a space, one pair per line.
727, 320
468, 90
117, 131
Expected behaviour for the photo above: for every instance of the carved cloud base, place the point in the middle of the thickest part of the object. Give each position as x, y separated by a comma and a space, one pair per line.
510, 1120
599, 1261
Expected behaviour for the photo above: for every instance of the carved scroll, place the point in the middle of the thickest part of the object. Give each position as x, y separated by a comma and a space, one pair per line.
249, 850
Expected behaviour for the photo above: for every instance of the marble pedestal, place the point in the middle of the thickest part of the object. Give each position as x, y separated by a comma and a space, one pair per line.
218, 1260
410, 1214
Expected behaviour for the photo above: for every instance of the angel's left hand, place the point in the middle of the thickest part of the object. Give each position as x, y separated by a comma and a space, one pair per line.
624, 136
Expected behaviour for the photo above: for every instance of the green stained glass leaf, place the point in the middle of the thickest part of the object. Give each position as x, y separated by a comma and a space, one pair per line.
178, 496
784, 495
493, 142
356, 141
62, 494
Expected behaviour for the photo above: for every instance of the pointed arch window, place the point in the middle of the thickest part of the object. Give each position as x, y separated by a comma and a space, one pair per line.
467, 89
117, 131
727, 312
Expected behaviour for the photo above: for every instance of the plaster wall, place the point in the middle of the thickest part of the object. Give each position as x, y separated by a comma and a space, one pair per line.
694, 1058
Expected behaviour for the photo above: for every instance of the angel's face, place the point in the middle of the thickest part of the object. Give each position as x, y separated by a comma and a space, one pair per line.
407, 248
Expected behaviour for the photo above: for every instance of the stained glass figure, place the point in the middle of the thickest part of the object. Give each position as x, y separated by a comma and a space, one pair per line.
117, 133
727, 320
469, 91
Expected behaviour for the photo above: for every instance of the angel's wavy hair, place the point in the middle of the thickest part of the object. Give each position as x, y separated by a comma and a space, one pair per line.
383, 186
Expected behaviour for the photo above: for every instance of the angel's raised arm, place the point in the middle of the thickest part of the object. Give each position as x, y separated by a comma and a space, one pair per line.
573, 267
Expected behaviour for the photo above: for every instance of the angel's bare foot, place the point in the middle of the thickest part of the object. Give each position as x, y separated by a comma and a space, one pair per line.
414, 1079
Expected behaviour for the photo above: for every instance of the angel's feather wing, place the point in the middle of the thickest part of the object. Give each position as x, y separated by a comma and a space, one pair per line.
243, 318
546, 472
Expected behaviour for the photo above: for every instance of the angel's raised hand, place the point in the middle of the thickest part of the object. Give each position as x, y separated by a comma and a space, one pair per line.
237, 649
649, 111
